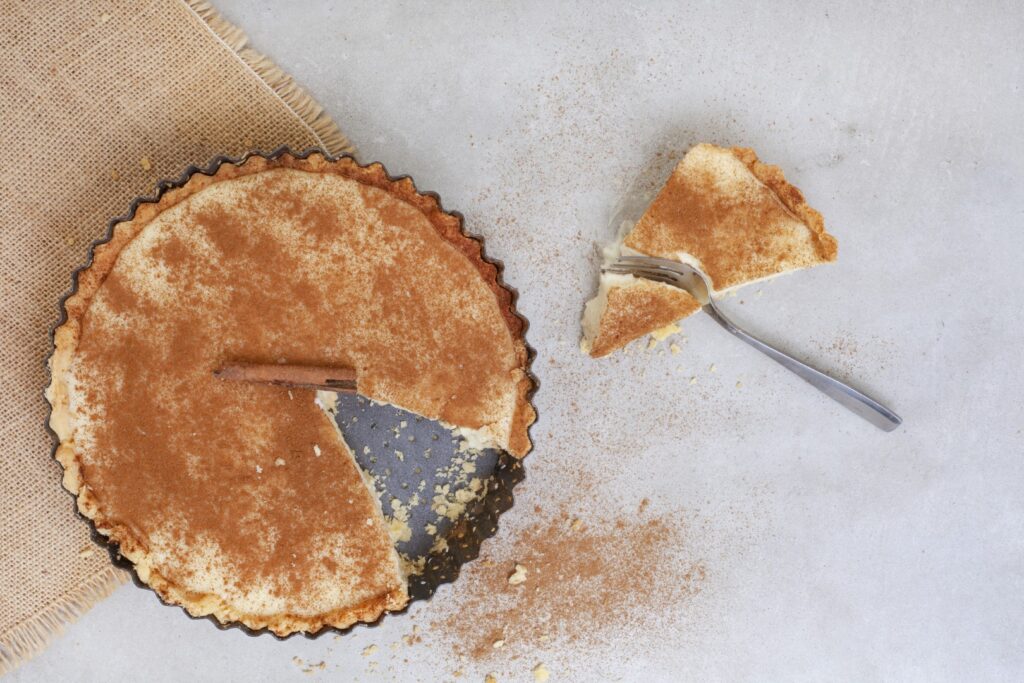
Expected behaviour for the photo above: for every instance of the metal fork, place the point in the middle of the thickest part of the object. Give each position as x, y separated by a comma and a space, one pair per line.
687, 277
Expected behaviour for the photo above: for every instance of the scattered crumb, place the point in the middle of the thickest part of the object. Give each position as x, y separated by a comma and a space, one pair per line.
713, 368
145, 163
259, 470
316, 450
498, 644
674, 348
541, 673
576, 524
663, 333
518, 576
739, 384
104, 18
115, 176
652, 343
279, 462
369, 650
85, 552
291, 395
490, 678
693, 380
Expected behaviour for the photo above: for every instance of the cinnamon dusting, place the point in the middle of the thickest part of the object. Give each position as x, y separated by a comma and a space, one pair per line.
737, 216
585, 585
173, 461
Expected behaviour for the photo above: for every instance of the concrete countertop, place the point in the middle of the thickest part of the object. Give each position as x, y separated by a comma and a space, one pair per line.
833, 550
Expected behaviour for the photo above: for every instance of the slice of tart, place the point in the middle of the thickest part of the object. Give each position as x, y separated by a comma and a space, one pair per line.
241, 500
724, 212
627, 308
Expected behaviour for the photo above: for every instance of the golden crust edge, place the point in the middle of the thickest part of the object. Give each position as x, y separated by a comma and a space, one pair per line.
774, 179
104, 256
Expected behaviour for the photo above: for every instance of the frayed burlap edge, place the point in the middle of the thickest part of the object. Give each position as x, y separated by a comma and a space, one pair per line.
284, 87
31, 636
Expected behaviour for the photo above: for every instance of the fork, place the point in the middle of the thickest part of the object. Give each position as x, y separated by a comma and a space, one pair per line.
692, 280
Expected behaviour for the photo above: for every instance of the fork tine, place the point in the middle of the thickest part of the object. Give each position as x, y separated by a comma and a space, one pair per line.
630, 268
652, 262
646, 274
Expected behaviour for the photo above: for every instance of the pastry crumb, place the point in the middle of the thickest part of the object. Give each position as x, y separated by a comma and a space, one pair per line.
713, 368
85, 552
518, 576
369, 650
145, 163
541, 674
498, 644
674, 348
114, 175
693, 380
259, 470
576, 524
490, 678
663, 333
280, 462
316, 450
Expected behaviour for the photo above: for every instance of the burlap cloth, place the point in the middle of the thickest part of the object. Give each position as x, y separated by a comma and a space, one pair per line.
97, 103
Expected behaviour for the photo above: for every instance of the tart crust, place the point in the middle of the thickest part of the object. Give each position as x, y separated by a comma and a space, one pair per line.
737, 228
88, 282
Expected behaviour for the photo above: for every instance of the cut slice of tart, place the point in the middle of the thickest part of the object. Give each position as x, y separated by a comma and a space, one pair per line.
627, 308
731, 216
241, 500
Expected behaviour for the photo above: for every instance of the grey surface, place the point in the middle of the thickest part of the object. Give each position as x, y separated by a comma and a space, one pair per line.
834, 551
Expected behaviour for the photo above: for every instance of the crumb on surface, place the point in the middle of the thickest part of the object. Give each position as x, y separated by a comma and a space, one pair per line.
541, 674
663, 333
518, 576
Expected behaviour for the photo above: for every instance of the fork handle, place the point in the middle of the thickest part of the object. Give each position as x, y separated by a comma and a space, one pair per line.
857, 402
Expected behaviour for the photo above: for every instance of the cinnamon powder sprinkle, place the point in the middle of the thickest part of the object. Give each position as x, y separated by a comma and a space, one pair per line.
585, 588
